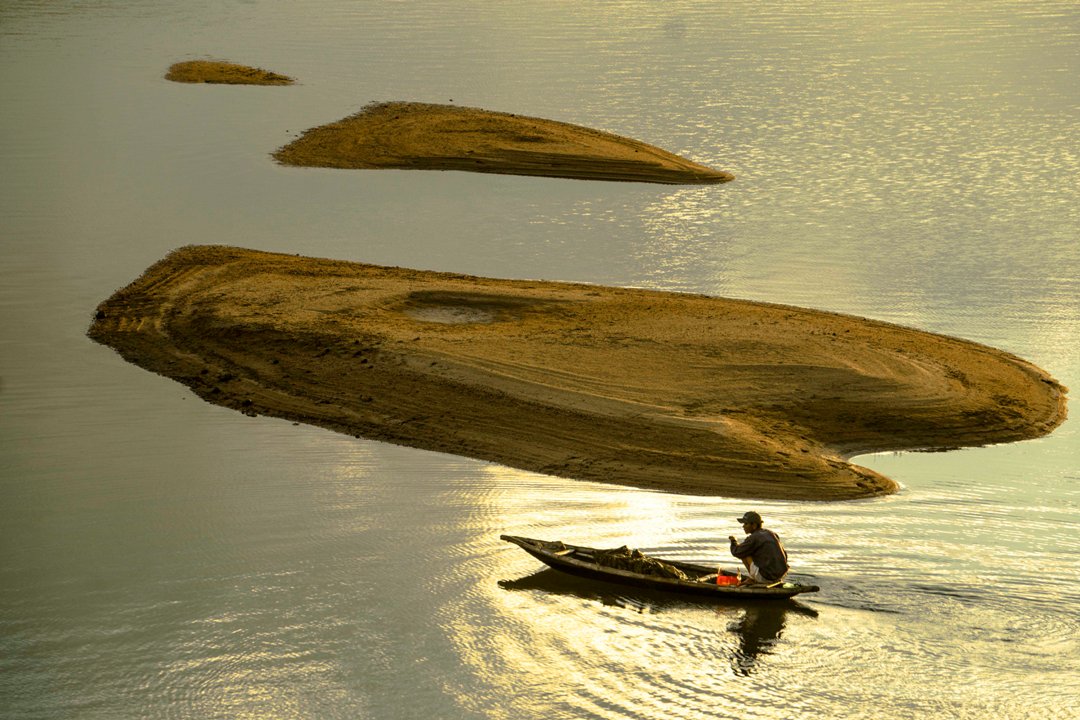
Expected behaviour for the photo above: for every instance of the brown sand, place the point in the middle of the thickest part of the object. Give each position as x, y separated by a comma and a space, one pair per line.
677, 392
421, 136
227, 73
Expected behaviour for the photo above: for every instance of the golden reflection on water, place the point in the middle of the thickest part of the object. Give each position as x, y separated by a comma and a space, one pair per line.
680, 239
545, 643
589, 513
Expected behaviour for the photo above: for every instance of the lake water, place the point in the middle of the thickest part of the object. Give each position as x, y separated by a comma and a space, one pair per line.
163, 557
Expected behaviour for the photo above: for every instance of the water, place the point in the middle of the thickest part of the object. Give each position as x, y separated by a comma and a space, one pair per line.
162, 557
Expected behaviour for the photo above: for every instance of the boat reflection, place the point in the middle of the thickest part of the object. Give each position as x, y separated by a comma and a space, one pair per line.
756, 624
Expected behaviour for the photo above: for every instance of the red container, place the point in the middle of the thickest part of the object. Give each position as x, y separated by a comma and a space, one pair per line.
727, 580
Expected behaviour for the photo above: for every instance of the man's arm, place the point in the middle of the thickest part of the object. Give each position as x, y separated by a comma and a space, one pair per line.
745, 548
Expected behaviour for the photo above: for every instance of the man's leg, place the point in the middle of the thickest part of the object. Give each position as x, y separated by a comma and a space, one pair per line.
754, 572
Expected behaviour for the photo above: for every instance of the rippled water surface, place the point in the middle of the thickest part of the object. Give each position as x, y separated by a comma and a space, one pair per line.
162, 557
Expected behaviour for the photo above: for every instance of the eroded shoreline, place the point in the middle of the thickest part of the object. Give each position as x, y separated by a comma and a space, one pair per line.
675, 392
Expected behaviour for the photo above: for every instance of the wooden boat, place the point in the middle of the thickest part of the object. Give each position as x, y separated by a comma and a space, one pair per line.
702, 582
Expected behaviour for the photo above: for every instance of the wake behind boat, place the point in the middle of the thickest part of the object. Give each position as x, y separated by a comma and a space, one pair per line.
653, 573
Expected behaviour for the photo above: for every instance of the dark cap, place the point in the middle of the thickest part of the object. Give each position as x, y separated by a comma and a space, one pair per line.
750, 517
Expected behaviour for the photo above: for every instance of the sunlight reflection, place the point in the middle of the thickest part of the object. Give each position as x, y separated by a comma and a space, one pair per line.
586, 513
681, 240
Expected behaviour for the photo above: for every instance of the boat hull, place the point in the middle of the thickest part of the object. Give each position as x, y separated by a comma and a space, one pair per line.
575, 560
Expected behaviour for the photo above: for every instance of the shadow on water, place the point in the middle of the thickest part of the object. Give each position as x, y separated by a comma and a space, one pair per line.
757, 624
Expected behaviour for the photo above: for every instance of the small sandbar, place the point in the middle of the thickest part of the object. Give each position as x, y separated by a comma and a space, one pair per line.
424, 136
676, 392
224, 73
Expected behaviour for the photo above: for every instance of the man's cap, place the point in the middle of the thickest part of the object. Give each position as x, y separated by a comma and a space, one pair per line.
750, 517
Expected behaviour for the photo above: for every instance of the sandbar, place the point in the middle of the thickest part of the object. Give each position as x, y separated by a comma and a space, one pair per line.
427, 136
676, 392
224, 73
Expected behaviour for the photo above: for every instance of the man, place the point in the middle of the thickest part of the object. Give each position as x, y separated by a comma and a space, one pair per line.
761, 551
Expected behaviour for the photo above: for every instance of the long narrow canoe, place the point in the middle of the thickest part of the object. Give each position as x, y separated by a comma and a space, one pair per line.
581, 561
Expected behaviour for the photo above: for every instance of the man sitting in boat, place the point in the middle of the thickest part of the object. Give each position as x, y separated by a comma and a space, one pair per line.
761, 551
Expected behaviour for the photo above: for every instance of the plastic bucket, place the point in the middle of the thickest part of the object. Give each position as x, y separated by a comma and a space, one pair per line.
727, 580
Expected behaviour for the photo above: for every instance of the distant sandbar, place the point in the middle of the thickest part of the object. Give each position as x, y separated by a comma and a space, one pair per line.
424, 136
675, 392
225, 73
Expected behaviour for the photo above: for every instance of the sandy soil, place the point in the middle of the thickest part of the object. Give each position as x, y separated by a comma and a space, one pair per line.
227, 73
424, 136
677, 392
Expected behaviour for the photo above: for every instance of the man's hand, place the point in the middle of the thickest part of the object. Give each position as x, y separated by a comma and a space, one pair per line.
731, 538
